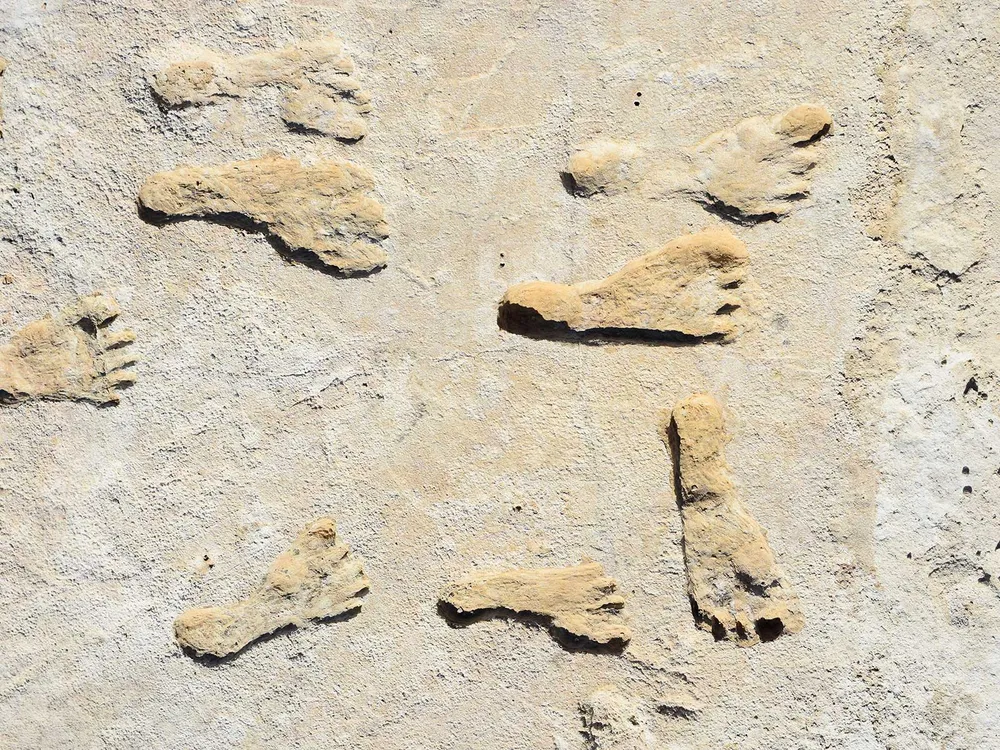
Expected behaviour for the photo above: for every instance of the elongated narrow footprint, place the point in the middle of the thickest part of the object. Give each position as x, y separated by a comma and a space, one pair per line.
755, 171
320, 92
686, 291
69, 356
736, 587
580, 601
323, 210
315, 579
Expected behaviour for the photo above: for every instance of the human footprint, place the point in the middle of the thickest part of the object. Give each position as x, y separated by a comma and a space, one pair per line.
613, 720
313, 580
602, 167
737, 589
579, 600
319, 91
69, 356
754, 171
322, 209
684, 291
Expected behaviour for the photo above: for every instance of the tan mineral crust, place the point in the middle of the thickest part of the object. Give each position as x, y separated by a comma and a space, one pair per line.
703, 295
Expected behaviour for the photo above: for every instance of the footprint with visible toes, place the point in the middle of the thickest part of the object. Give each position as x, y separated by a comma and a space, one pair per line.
755, 171
69, 356
685, 292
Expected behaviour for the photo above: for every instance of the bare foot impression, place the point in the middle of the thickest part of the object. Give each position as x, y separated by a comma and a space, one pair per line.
737, 589
686, 291
615, 721
320, 93
315, 579
68, 356
580, 601
323, 210
601, 167
755, 171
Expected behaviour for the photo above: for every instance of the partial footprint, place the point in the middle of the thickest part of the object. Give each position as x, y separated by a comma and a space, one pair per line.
320, 93
579, 601
314, 580
323, 209
736, 587
69, 356
601, 167
755, 171
615, 721
686, 291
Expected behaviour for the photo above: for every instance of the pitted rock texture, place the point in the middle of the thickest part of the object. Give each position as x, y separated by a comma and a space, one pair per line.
323, 209
579, 600
737, 589
315, 579
602, 167
755, 171
3, 68
686, 290
613, 720
69, 356
319, 91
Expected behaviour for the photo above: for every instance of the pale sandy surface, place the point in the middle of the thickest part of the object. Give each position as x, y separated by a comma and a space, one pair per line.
271, 394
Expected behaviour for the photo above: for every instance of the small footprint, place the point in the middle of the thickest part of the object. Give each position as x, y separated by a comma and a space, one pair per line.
323, 210
601, 167
756, 171
736, 587
580, 601
320, 94
69, 356
686, 291
613, 720
315, 579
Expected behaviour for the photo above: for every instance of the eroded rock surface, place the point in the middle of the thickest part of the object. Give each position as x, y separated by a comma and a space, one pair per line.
69, 356
320, 93
3, 68
685, 290
737, 589
601, 167
579, 600
615, 721
755, 171
322, 209
314, 579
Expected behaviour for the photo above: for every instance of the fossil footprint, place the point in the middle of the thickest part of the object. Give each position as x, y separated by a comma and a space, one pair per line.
757, 170
579, 600
319, 91
69, 356
736, 587
685, 291
613, 720
313, 580
602, 167
322, 209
